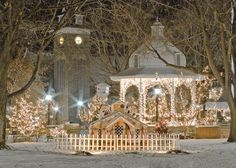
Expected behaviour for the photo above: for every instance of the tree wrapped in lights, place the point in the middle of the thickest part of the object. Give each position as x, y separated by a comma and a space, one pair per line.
58, 131
95, 109
28, 118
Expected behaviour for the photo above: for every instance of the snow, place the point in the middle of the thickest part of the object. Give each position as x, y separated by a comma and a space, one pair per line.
203, 154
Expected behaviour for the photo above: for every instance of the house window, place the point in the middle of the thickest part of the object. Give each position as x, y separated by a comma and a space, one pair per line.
137, 133
119, 130
99, 133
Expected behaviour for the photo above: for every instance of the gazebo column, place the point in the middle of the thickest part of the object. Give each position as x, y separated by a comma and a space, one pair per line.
193, 93
172, 97
141, 89
122, 90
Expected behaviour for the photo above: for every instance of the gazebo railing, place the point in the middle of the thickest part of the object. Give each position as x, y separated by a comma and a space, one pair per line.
153, 142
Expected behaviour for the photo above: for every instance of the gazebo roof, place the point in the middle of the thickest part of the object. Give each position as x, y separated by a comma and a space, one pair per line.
144, 63
148, 72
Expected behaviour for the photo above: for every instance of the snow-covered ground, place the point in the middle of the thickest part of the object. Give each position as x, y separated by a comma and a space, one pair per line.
203, 154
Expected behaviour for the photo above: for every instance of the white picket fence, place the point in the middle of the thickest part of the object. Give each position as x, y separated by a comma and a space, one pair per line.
154, 142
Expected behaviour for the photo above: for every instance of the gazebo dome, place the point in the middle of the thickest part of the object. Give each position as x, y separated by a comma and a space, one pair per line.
144, 62
144, 57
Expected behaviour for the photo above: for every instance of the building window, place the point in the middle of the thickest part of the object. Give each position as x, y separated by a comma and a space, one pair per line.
78, 40
61, 40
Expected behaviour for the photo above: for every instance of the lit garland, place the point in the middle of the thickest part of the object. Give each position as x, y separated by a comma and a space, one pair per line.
168, 84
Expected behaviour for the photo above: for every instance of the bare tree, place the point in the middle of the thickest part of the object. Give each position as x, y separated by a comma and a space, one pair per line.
203, 29
27, 25
118, 28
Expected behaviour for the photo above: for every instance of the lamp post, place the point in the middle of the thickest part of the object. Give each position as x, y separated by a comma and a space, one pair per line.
157, 92
48, 98
56, 110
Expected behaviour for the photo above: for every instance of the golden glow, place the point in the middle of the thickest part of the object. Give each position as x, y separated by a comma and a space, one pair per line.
78, 40
61, 40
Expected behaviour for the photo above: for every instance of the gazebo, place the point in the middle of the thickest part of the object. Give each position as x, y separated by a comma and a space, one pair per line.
146, 72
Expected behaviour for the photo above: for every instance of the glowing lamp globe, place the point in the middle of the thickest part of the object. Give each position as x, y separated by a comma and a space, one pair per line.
48, 97
78, 40
80, 103
56, 108
157, 91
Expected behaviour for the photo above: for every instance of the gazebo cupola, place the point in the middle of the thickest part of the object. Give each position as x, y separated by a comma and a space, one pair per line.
147, 71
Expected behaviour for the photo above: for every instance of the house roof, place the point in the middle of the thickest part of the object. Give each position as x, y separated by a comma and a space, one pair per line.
113, 117
217, 105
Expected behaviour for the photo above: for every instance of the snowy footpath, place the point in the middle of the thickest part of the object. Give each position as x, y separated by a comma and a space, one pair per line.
199, 154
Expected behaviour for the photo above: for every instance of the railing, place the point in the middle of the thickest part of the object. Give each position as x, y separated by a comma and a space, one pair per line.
154, 142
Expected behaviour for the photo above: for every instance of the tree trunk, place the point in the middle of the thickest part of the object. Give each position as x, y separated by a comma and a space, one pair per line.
232, 101
232, 134
3, 102
232, 108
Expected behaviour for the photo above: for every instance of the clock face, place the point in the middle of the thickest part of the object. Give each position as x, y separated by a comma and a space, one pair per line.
78, 40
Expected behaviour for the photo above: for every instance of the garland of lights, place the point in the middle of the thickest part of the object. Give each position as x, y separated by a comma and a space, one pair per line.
170, 84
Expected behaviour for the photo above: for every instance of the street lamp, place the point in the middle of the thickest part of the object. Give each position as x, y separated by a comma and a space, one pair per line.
48, 98
157, 92
80, 103
56, 110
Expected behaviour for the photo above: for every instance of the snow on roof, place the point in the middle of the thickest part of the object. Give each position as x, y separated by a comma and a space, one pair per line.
73, 30
217, 105
166, 72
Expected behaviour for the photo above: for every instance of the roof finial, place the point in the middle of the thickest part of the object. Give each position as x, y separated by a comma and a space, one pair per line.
157, 28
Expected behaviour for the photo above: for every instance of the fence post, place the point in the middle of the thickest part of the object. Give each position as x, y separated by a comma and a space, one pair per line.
70, 143
83, 137
165, 142
66, 141
88, 142
110, 140
169, 141
79, 142
101, 143
75, 142
160, 142
152, 141
62, 141
93, 143
139, 143
106, 143
57, 142
130, 142
125, 142
143, 144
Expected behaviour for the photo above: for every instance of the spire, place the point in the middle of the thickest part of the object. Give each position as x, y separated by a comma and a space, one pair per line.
157, 29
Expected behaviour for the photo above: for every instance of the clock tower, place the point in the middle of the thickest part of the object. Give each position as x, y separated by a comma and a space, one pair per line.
71, 69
